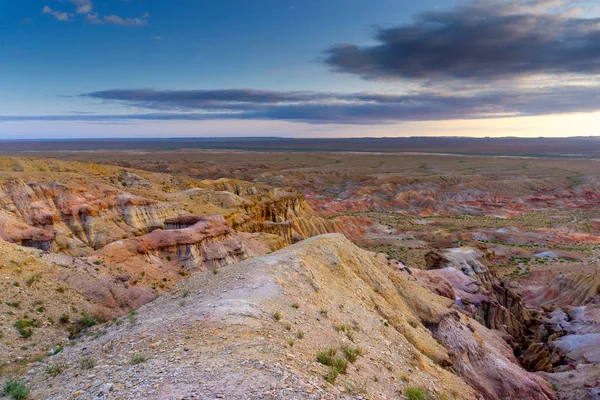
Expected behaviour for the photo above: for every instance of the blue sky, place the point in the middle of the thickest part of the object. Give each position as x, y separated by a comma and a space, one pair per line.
85, 68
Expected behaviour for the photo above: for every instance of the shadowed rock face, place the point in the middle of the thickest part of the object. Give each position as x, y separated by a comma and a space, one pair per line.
477, 289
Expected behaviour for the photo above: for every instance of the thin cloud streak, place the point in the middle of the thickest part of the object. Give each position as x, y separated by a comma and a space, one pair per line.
61, 16
336, 108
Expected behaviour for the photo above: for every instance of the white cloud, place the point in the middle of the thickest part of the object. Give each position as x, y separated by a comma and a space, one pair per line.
61, 16
83, 6
93, 19
115, 19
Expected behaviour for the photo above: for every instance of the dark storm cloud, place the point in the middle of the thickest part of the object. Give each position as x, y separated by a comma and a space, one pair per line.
340, 108
481, 41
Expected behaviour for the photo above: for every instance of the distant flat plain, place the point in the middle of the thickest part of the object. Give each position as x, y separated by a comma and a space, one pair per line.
586, 147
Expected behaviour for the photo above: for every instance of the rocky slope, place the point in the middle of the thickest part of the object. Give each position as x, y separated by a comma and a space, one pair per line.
255, 329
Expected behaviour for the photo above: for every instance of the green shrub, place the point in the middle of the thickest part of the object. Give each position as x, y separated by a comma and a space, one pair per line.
87, 363
138, 358
132, 317
331, 375
86, 321
350, 353
23, 327
18, 390
33, 278
416, 393
325, 356
55, 369
328, 357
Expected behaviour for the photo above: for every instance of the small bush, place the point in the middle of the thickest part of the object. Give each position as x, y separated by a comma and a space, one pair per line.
138, 359
325, 357
64, 319
416, 393
328, 357
295, 305
33, 279
276, 315
132, 317
300, 335
87, 363
18, 390
23, 327
55, 369
340, 364
331, 375
15, 304
350, 353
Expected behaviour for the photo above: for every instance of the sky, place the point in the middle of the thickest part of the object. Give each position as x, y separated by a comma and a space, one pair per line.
299, 68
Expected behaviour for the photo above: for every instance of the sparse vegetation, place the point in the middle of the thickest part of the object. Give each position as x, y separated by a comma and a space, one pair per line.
16, 389
276, 315
87, 363
132, 317
330, 358
55, 369
138, 358
351, 353
416, 393
24, 327
331, 375
33, 279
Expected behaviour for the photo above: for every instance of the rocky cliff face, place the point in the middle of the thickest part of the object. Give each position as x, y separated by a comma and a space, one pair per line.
75, 219
67, 211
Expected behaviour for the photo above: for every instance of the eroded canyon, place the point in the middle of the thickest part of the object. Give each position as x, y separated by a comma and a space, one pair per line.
462, 276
